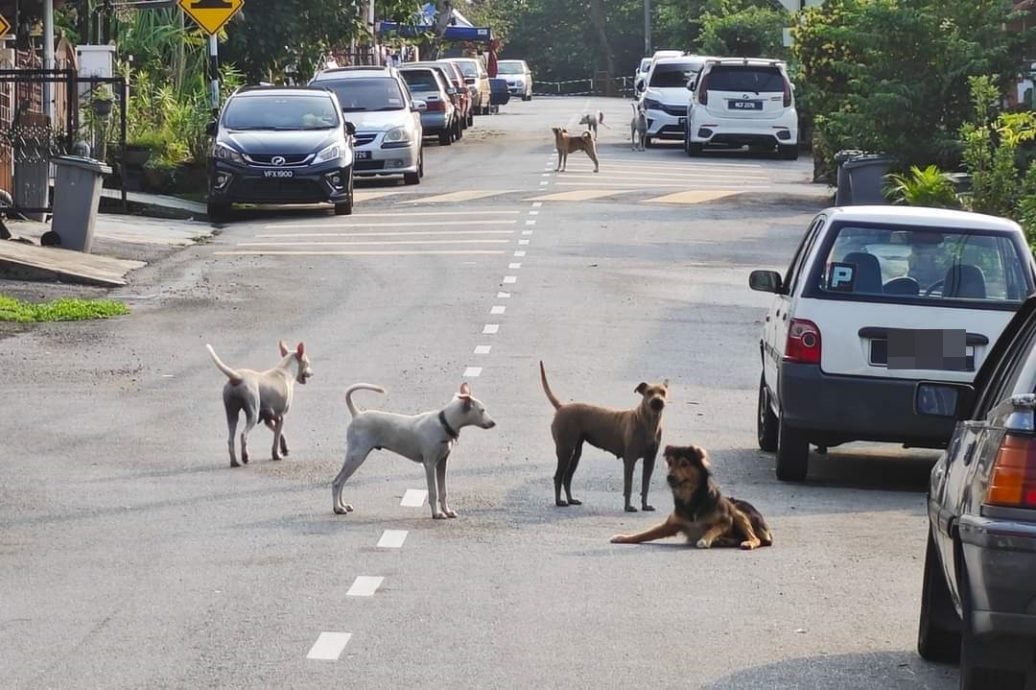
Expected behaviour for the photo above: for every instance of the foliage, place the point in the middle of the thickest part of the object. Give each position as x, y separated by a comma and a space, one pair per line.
990, 145
853, 54
751, 32
927, 186
1026, 213
66, 309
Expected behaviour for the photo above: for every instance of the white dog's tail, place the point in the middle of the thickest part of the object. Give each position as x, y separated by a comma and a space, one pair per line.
359, 387
231, 374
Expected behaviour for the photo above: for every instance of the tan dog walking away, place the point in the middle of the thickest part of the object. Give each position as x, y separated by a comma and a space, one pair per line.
628, 434
566, 144
263, 396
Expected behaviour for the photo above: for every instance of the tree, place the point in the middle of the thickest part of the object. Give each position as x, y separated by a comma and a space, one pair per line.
751, 32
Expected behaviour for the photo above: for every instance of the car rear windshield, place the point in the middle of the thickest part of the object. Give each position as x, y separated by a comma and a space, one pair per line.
468, 69
420, 80
506, 67
367, 94
911, 264
753, 79
280, 112
672, 75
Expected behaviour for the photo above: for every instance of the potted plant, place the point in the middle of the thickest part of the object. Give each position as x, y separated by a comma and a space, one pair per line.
101, 101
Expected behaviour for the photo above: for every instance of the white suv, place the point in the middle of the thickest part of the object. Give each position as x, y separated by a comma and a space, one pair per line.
664, 95
742, 101
876, 299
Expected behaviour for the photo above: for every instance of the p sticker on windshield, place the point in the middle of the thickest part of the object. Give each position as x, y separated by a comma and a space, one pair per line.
841, 277
395, 101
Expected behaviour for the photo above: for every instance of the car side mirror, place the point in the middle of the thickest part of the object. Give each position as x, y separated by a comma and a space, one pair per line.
640, 87
419, 107
350, 128
210, 128
943, 400
691, 84
765, 281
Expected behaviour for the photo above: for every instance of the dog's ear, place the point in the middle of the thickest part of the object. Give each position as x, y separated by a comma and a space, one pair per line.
283, 348
641, 387
704, 456
465, 390
301, 350
665, 383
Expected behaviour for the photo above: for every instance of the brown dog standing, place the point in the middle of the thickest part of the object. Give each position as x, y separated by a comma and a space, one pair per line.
628, 434
700, 511
568, 143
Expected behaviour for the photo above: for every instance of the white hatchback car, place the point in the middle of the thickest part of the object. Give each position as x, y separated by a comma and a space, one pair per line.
664, 96
743, 102
876, 299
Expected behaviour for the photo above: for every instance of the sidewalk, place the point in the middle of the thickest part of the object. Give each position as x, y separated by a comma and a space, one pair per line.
122, 243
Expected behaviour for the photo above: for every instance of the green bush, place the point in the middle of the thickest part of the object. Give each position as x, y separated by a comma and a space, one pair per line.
752, 32
66, 309
927, 186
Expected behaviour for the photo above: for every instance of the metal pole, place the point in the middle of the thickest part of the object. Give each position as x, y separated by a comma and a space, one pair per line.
48, 57
375, 53
647, 27
214, 72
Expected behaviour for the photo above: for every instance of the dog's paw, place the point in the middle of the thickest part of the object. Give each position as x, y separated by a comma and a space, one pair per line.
619, 539
574, 502
277, 457
749, 544
630, 509
450, 513
439, 515
343, 510
561, 504
235, 463
703, 544
647, 507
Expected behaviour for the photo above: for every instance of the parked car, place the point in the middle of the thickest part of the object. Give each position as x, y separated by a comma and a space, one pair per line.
439, 118
640, 73
664, 96
978, 599
460, 94
518, 76
387, 120
477, 79
850, 328
280, 145
743, 102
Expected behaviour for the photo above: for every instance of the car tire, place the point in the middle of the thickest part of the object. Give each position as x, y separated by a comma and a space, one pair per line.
445, 137
217, 212
792, 453
415, 177
938, 630
471, 116
694, 149
975, 651
458, 130
767, 424
648, 143
788, 152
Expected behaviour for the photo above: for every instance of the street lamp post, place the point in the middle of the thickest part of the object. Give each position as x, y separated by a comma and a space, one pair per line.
647, 27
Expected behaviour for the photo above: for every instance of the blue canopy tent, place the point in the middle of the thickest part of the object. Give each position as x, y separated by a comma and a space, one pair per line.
459, 28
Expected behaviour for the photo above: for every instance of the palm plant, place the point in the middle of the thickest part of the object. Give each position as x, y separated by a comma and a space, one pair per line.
927, 186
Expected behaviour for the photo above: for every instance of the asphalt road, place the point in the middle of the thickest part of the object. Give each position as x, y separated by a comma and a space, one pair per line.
132, 556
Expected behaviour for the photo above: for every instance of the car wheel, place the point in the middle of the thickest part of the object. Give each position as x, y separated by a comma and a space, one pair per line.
471, 116
415, 177
458, 130
792, 453
694, 149
445, 138
788, 152
648, 143
217, 211
977, 653
345, 208
766, 420
938, 630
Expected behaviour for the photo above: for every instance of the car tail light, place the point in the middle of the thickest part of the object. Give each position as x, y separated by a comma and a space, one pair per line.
436, 106
1013, 480
703, 90
803, 344
787, 93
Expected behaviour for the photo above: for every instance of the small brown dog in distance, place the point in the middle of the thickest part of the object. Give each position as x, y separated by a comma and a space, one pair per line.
567, 143
701, 512
628, 434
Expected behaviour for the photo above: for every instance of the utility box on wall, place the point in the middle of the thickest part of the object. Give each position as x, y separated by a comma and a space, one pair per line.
94, 61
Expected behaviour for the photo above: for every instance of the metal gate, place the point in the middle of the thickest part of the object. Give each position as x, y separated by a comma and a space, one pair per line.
84, 110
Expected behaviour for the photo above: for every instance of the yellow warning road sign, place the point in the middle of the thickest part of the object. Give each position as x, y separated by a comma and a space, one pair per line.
5, 26
211, 15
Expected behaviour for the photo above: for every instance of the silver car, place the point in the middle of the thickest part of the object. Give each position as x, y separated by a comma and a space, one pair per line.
440, 116
378, 103
518, 77
477, 79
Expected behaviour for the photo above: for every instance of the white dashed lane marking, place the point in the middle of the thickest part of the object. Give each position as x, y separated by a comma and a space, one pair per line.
514, 267
329, 646
473, 372
392, 539
498, 310
483, 349
491, 328
414, 498
523, 242
510, 280
365, 586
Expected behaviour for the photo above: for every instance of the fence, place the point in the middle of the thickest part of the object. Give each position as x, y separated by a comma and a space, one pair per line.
601, 85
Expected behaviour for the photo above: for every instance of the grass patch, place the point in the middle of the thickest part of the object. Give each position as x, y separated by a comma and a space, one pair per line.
65, 309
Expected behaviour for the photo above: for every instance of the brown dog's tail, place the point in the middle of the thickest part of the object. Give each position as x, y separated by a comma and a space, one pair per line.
359, 387
230, 373
546, 388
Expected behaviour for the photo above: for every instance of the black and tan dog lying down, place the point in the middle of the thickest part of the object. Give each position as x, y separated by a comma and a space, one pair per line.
701, 512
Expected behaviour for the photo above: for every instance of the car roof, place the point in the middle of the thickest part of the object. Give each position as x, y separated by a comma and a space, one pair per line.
355, 72
917, 215
747, 62
521, 62
683, 60
252, 91
667, 53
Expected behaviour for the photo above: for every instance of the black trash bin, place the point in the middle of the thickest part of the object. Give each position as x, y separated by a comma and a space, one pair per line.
861, 177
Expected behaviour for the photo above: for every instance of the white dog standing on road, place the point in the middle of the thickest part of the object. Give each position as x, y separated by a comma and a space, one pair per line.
425, 438
638, 127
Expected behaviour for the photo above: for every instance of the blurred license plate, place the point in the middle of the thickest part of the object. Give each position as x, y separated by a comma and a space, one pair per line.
923, 349
363, 155
279, 173
746, 105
